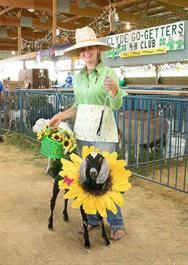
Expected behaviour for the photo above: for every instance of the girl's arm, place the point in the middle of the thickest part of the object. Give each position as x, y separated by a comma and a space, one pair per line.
67, 114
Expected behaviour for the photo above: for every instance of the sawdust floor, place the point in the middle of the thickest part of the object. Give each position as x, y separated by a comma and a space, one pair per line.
156, 221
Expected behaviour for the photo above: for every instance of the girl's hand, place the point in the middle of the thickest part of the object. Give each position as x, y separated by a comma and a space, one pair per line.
55, 120
111, 86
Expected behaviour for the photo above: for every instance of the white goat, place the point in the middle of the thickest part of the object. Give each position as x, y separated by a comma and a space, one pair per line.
40, 123
16, 115
143, 128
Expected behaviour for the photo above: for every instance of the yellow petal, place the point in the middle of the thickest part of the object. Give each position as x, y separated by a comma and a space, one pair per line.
121, 187
63, 185
65, 161
100, 208
110, 205
71, 173
74, 191
112, 159
62, 173
79, 200
89, 205
117, 197
86, 151
76, 159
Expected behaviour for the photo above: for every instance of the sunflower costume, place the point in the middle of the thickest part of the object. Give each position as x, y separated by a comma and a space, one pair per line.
101, 202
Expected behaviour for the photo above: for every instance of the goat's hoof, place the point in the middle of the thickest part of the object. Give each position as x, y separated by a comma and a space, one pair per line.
66, 218
50, 226
107, 243
87, 246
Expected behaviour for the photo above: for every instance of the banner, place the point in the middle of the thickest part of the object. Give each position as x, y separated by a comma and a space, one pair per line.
162, 38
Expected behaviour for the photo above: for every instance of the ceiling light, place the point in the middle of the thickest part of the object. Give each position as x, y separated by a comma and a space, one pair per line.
31, 9
57, 31
13, 52
128, 26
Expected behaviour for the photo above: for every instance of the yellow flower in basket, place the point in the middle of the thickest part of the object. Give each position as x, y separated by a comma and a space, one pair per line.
56, 137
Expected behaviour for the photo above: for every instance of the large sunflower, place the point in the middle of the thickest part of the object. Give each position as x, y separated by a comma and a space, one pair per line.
93, 203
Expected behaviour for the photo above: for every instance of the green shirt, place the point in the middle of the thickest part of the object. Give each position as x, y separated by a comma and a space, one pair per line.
89, 89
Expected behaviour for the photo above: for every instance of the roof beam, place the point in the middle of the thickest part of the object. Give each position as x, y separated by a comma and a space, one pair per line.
172, 8
38, 5
100, 3
15, 22
47, 5
180, 3
5, 10
7, 42
26, 34
8, 48
124, 2
125, 16
147, 6
69, 19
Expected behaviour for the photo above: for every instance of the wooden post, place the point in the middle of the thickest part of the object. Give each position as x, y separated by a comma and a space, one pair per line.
112, 20
19, 40
157, 74
54, 21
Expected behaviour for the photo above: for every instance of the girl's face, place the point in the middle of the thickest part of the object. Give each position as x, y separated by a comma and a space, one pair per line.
89, 54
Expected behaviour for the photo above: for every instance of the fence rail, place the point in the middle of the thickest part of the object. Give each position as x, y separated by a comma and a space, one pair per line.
153, 129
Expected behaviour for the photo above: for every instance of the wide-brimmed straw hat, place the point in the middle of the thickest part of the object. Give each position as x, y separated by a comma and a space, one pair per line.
85, 37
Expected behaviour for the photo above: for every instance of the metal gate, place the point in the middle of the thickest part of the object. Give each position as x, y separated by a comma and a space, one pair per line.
153, 130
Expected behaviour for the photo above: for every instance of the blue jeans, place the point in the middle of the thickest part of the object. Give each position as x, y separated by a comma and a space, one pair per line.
115, 220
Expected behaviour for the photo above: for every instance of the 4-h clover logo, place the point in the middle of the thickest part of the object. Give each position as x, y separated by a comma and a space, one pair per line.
162, 41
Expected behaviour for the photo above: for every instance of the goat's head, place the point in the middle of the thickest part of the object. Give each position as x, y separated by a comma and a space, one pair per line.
163, 109
94, 170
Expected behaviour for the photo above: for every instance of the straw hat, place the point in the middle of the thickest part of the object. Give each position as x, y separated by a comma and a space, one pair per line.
85, 37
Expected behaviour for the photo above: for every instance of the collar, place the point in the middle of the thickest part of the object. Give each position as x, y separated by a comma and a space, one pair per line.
98, 68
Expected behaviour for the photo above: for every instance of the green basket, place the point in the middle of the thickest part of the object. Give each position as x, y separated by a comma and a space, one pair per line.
51, 148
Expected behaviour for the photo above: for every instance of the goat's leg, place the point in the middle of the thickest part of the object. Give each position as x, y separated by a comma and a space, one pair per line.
52, 203
65, 214
10, 122
25, 121
104, 234
85, 226
48, 164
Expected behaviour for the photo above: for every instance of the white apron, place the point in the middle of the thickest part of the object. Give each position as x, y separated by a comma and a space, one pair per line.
87, 123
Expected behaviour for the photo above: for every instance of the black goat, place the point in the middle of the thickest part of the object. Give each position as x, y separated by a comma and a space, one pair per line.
94, 178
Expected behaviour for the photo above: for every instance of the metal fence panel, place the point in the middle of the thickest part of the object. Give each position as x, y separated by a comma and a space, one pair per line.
153, 130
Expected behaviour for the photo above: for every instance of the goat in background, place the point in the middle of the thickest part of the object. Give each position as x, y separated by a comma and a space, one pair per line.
143, 128
16, 115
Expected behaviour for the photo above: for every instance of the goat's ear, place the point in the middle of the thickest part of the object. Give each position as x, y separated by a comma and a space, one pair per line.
83, 171
104, 172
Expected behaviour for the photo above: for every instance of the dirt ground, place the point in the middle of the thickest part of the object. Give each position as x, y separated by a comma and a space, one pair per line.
156, 221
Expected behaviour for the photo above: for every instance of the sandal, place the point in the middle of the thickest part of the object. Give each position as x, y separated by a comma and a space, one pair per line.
117, 234
89, 228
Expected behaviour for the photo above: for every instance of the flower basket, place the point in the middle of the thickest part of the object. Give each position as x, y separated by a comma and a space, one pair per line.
51, 148
56, 142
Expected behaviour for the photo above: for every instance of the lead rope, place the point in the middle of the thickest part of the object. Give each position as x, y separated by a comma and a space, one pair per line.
101, 119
